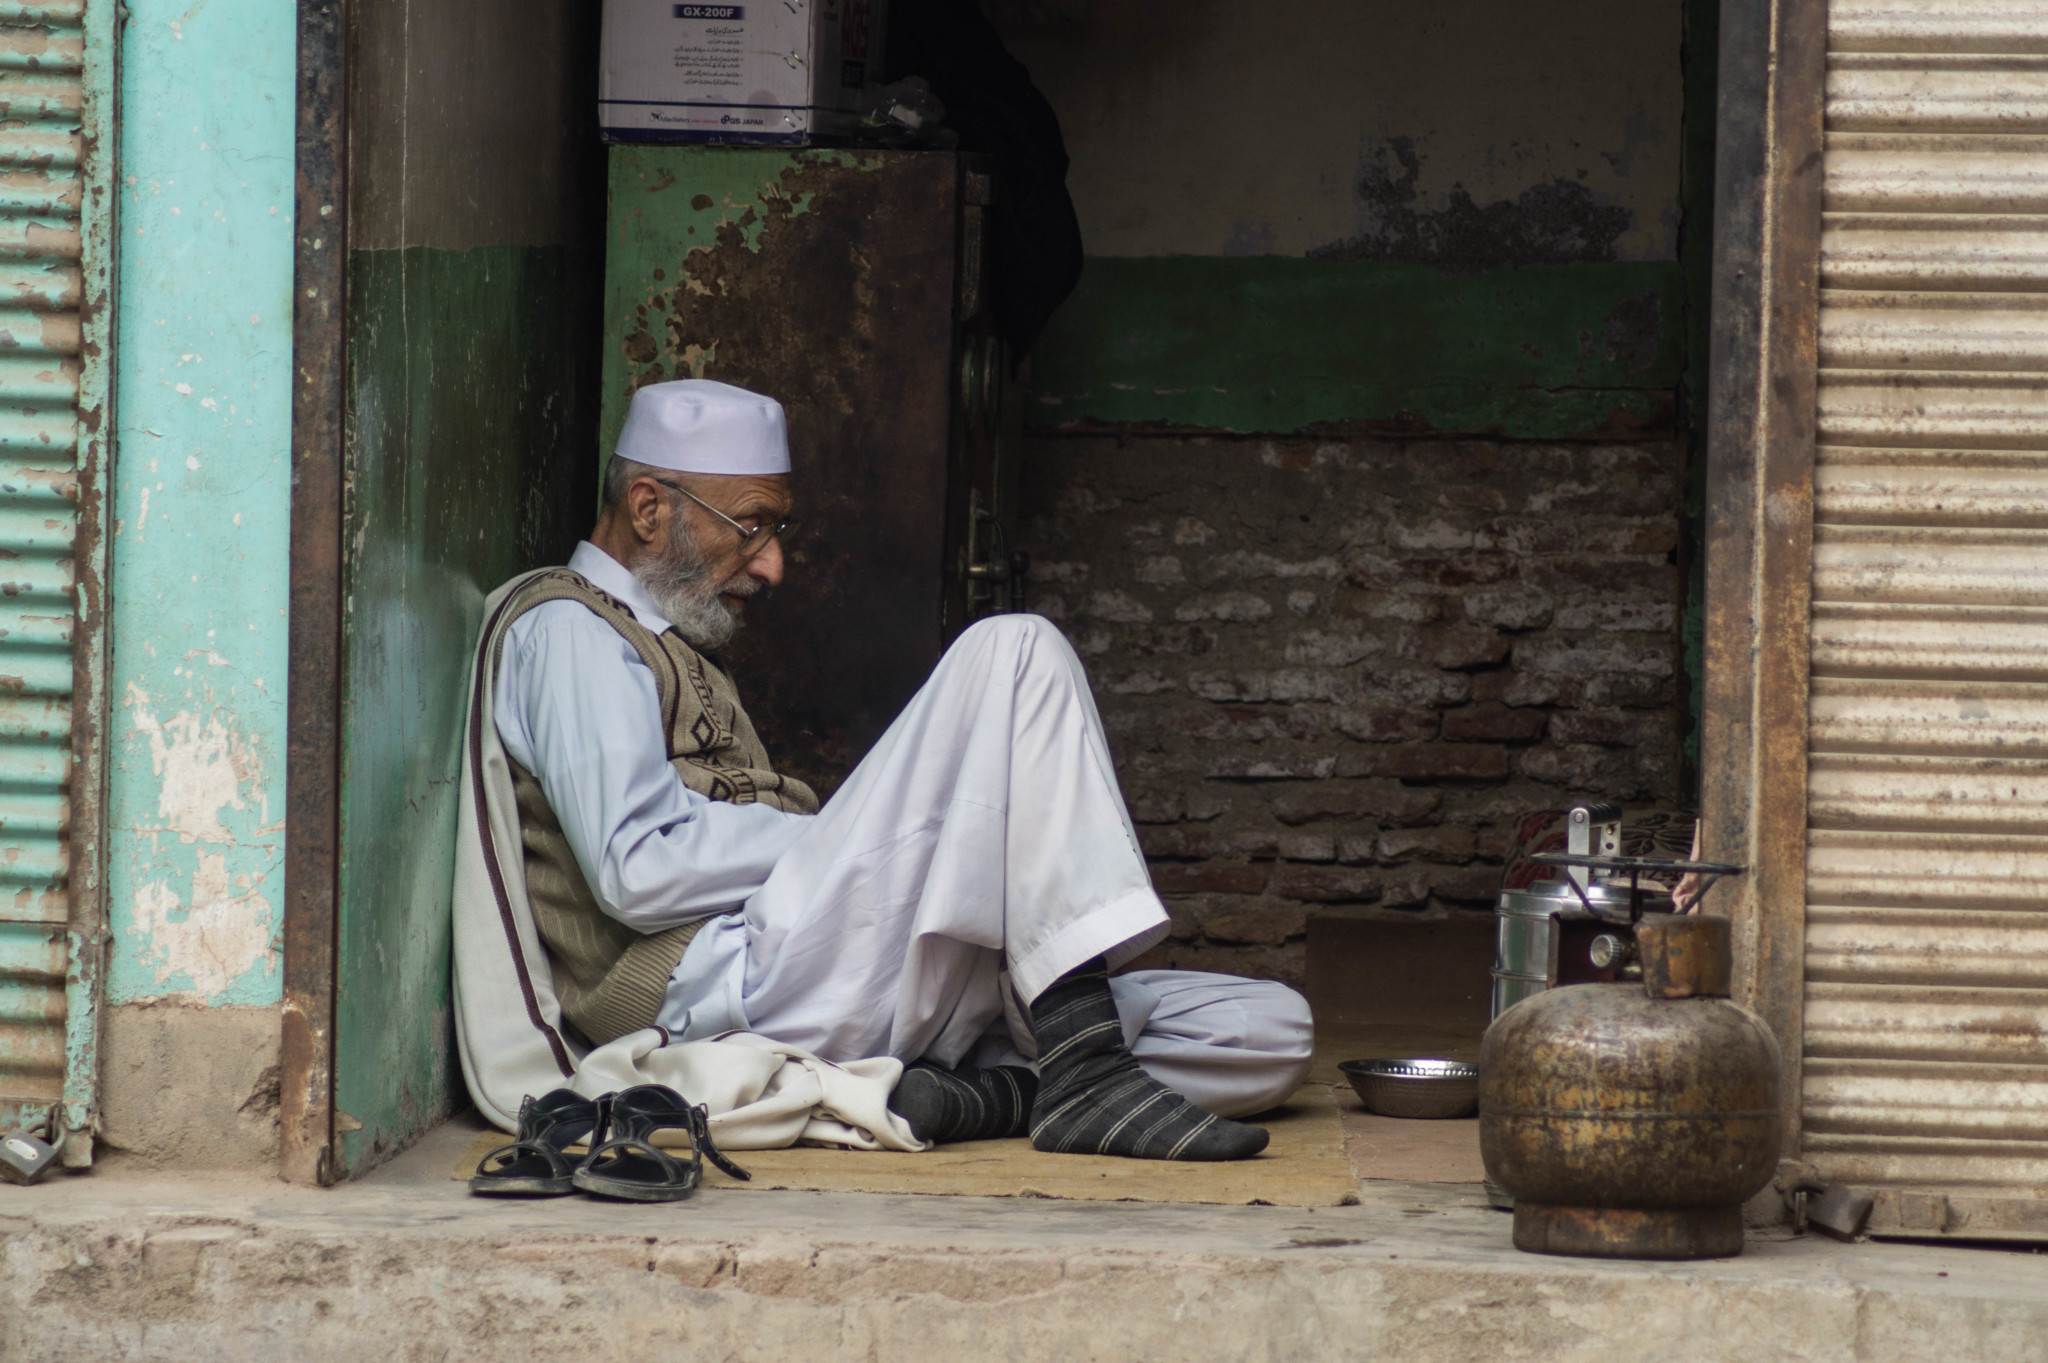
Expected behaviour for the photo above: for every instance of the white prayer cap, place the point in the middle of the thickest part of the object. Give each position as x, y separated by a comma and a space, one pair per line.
702, 426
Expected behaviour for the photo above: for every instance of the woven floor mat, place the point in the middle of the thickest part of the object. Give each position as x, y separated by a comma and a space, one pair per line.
1305, 1166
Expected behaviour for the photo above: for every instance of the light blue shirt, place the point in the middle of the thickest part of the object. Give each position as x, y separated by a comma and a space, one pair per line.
577, 707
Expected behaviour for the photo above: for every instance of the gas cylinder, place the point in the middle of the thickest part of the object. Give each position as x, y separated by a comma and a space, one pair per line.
1631, 1120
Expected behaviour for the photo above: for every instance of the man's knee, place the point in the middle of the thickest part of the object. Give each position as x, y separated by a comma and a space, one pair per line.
1033, 640
1024, 628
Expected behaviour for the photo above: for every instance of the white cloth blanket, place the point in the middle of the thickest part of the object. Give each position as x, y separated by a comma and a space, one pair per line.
508, 1023
762, 1095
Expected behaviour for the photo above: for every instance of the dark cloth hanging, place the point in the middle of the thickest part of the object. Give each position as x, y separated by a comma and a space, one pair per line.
1035, 239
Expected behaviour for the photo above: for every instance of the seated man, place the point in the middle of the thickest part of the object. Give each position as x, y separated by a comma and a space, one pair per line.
958, 904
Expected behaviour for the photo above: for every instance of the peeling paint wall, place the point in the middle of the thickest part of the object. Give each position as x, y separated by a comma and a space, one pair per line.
1544, 129
201, 503
1385, 200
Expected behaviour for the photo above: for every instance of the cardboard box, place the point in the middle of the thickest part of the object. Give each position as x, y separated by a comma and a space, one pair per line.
760, 72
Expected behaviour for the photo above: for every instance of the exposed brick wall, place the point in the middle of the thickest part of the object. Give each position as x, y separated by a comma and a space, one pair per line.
1335, 674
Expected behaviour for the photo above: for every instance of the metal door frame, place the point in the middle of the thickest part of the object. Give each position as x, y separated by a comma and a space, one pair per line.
87, 932
313, 706
1759, 435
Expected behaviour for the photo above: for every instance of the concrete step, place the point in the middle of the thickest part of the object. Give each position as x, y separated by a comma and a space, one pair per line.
124, 1263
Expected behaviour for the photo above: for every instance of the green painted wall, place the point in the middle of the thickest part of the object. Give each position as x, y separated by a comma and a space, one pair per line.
463, 452
1271, 343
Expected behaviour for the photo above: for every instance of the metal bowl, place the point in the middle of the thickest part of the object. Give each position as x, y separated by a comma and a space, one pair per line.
1415, 1087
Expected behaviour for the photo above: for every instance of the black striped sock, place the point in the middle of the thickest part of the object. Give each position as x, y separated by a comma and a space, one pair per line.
1094, 1099
964, 1104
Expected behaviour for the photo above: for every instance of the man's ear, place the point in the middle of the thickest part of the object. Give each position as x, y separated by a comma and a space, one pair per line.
644, 501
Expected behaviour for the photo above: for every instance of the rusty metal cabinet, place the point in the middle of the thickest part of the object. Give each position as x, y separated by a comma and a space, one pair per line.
852, 286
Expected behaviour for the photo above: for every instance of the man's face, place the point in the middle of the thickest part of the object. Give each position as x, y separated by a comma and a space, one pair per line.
753, 502
698, 567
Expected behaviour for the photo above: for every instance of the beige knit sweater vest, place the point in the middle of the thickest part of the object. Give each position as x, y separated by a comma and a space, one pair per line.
609, 977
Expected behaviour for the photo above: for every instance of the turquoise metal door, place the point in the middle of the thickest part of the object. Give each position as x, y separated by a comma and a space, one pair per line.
56, 208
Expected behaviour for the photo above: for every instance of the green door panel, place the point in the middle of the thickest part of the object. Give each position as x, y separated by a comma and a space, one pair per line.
466, 467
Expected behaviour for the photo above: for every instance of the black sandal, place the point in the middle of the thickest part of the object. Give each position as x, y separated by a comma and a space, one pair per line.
534, 1165
629, 1165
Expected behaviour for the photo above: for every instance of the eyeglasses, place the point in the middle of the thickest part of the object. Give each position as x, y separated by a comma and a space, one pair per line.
752, 541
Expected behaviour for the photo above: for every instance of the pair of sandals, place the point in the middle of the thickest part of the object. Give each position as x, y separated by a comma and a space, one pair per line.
623, 1161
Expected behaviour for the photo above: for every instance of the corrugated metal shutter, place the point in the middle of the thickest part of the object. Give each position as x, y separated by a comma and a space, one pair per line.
52, 258
1926, 1067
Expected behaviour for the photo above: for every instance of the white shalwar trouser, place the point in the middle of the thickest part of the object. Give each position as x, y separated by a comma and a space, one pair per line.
979, 852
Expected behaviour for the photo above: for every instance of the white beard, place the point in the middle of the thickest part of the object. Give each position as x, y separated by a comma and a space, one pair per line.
680, 583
